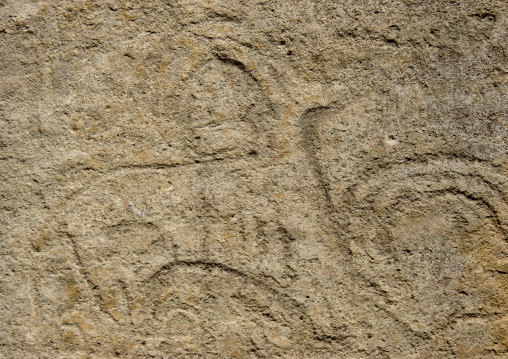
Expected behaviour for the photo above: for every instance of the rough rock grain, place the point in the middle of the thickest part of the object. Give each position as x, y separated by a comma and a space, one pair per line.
253, 179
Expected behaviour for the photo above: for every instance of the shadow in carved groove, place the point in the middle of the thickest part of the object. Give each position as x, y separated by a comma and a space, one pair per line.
125, 223
222, 111
428, 232
124, 226
219, 309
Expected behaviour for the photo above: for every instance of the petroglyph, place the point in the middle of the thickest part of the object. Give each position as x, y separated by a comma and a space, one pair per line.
428, 231
231, 301
224, 179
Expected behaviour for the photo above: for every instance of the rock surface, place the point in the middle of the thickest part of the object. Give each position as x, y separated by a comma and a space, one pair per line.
253, 179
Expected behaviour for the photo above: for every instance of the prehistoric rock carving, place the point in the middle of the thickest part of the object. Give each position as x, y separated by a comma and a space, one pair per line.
188, 219
218, 304
429, 232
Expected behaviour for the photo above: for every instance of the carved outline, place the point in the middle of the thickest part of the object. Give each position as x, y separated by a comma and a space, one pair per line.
308, 123
469, 195
274, 288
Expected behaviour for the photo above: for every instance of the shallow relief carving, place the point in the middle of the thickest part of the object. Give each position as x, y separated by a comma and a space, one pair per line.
424, 223
402, 203
151, 149
427, 224
163, 240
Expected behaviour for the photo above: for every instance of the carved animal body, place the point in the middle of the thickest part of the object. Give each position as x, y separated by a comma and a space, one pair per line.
171, 235
223, 179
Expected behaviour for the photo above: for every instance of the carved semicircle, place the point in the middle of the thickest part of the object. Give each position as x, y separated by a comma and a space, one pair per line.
124, 224
434, 237
221, 300
427, 223
208, 106
220, 111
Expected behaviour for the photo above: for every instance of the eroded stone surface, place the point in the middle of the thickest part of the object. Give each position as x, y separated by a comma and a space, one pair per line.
228, 179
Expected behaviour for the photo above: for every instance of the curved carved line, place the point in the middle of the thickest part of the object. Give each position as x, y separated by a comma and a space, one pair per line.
308, 136
251, 53
308, 129
277, 292
482, 202
407, 163
308, 133
309, 122
225, 59
452, 188
491, 186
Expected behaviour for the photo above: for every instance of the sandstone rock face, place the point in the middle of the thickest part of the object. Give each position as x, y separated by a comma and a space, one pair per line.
253, 179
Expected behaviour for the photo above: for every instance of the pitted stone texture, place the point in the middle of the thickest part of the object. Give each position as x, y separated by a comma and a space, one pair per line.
252, 179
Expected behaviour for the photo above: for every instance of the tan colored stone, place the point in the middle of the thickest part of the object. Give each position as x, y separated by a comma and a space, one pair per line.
253, 179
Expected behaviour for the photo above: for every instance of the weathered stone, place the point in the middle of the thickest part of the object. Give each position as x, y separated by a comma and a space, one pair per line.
253, 179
